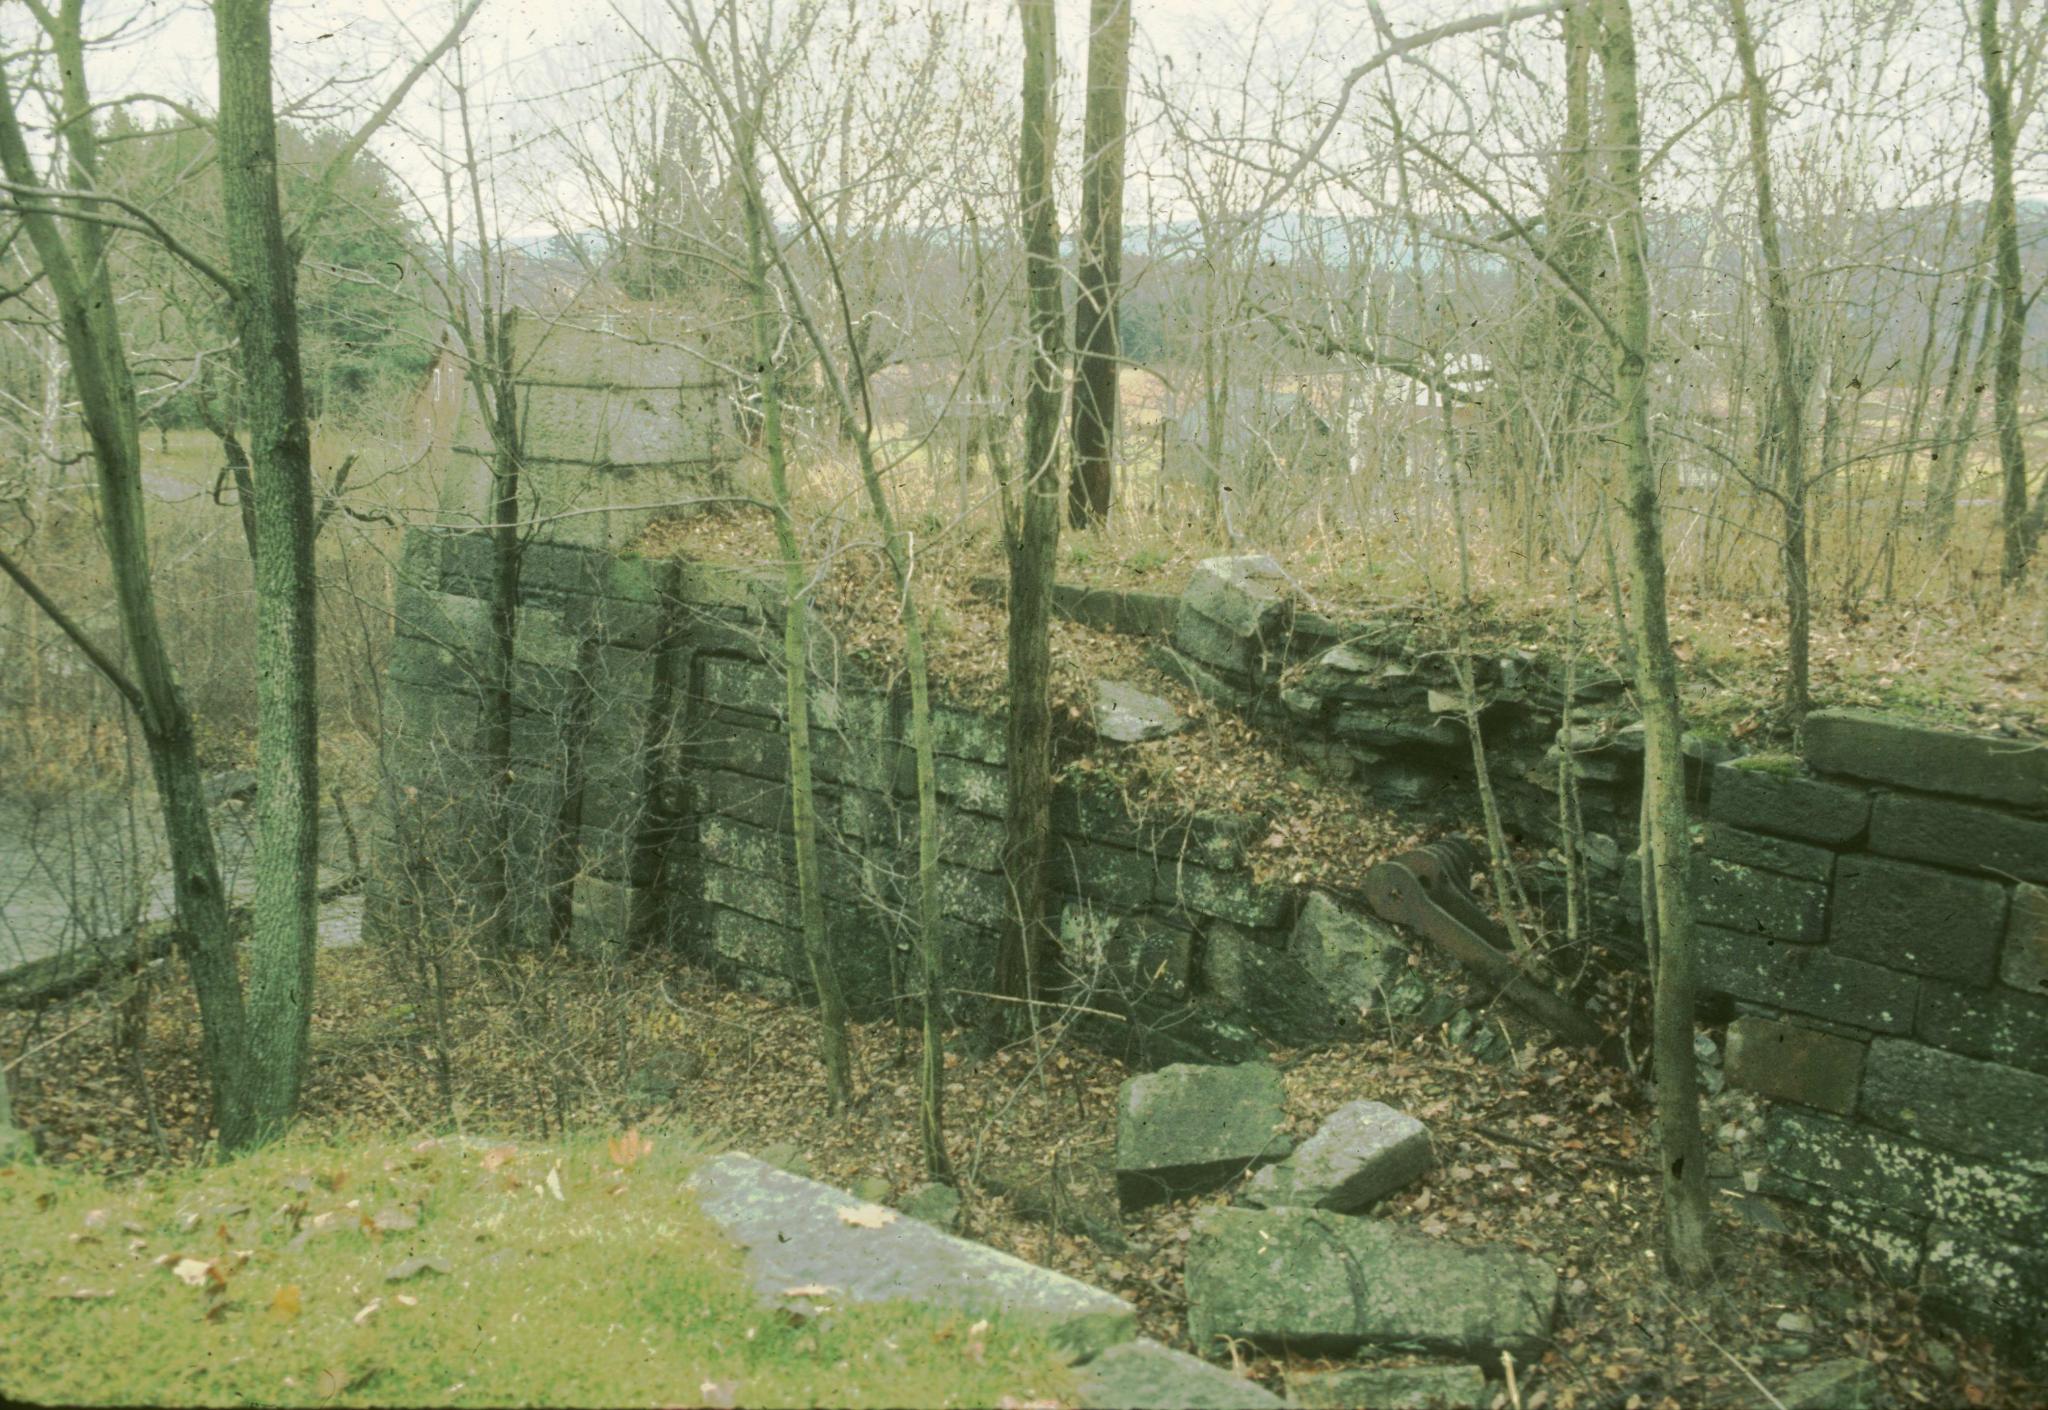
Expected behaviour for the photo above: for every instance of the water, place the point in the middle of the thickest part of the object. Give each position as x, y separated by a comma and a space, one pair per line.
84, 870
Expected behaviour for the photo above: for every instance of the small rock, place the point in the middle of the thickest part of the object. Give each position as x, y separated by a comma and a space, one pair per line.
1144, 1375
1797, 1323
1124, 714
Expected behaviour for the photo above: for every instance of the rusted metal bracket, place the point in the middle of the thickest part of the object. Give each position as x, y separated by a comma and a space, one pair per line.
1425, 891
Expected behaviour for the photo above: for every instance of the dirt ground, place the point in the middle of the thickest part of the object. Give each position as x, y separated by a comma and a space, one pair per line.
1548, 1152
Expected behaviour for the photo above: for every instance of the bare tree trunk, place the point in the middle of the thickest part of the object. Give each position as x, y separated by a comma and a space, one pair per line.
2021, 525
83, 291
1788, 431
281, 471
1683, 1163
1098, 350
1034, 540
803, 798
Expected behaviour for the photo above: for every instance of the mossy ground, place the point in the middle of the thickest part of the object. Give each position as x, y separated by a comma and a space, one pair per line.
439, 1272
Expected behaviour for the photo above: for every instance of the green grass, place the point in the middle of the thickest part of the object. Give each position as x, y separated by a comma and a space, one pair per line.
618, 1292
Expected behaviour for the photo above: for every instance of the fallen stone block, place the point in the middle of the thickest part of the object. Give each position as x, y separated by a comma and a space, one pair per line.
799, 1233
1364, 1152
1145, 1375
1315, 1281
1185, 1129
1391, 1388
1232, 612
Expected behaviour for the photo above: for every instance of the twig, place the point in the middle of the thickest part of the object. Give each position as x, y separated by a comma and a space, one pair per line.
1733, 1360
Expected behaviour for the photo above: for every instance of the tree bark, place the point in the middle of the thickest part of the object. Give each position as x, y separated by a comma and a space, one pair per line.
1027, 852
2021, 526
281, 473
1788, 433
1683, 1164
1098, 349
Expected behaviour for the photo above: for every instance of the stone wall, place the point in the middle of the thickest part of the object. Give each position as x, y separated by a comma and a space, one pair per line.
1874, 914
1878, 915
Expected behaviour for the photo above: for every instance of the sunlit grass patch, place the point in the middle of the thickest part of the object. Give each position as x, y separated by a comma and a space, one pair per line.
443, 1272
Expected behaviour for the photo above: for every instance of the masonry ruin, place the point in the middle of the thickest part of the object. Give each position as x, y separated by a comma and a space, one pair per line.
1875, 911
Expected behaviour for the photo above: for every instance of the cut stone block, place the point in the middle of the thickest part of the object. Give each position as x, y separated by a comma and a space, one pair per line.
1790, 1062
1186, 1128
1995, 1024
1917, 919
795, 1232
1866, 744
1756, 849
1124, 714
1145, 1375
1354, 957
1269, 989
1231, 896
1391, 1388
1865, 1167
1361, 1154
1806, 979
1788, 804
1960, 835
1990, 1286
2025, 966
1958, 1103
1315, 1281
1759, 902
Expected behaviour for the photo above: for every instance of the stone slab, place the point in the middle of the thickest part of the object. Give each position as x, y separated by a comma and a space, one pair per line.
1794, 1063
1391, 1388
1990, 1286
1363, 1152
1187, 1128
1866, 744
1789, 804
1960, 835
1269, 989
796, 1232
1958, 1103
1124, 714
1146, 1375
1315, 1281
1919, 919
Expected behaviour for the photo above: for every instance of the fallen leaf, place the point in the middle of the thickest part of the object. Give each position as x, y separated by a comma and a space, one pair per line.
370, 1309
406, 1300
81, 1294
498, 1156
554, 1184
809, 1290
192, 1272
866, 1216
285, 1305
629, 1148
